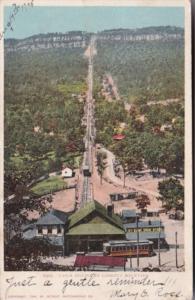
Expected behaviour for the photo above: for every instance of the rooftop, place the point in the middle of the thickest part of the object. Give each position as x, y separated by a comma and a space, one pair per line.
54, 216
128, 213
145, 235
95, 229
88, 209
118, 137
85, 261
142, 224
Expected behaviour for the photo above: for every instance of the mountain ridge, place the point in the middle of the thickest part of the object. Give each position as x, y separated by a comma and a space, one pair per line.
80, 39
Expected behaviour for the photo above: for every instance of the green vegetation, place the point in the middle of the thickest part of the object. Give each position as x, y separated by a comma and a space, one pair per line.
172, 194
52, 184
101, 164
158, 140
128, 153
42, 112
144, 71
148, 70
24, 255
108, 117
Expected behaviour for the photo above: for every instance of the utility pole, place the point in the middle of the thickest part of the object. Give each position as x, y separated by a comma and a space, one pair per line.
176, 261
137, 242
130, 262
159, 258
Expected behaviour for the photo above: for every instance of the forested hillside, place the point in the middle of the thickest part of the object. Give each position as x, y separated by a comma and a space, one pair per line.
44, 94
143, 70
45, 91
149, 76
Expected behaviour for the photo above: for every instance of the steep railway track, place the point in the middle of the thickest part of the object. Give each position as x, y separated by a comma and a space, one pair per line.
87, 168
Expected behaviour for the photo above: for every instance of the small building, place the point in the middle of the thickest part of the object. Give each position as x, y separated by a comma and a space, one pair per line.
52, 225
91, 226
118, 137
148, 230
123, 196
67, 173
129, 216
166, 127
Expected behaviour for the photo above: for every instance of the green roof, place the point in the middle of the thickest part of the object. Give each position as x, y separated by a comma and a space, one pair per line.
95, 229
88, 209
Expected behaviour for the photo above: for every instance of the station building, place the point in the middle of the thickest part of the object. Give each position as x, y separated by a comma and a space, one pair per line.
83, 231
88, 228
91, 226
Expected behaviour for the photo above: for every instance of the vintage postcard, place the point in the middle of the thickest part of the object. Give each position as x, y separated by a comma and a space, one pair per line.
96, 186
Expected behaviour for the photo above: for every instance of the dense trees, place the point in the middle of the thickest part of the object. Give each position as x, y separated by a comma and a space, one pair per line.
172, 194
129, 154
145, 72
42, 125
147, 69
42, 111
24, 255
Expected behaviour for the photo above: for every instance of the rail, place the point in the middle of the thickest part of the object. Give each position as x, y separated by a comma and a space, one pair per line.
90, 132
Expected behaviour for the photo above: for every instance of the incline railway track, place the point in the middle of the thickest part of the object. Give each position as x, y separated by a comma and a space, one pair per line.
87, 167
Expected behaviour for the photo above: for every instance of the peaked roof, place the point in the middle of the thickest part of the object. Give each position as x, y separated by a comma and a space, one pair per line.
95, 229
53, 217
88, 209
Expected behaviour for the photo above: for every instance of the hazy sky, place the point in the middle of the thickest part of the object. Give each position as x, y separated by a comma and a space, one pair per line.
34, 20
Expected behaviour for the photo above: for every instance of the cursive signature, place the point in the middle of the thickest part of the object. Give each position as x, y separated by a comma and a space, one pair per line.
165, 294
15, 9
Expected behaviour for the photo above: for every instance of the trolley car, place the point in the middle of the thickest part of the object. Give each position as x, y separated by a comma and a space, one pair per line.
128, 248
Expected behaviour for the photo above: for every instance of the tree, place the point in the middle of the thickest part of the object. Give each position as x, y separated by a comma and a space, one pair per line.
129, 154
142, 201
101, 164
172, 194
21, 254
154, 151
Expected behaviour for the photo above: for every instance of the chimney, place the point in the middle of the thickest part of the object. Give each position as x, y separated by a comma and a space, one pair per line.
110, 210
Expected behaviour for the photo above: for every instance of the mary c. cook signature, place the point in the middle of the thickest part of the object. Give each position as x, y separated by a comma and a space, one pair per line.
15, 10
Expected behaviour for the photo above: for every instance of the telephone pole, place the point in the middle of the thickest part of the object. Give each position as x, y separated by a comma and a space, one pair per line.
176, 261
159, 258
137, 242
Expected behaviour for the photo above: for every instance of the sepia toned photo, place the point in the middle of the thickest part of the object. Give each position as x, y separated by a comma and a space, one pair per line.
95, 131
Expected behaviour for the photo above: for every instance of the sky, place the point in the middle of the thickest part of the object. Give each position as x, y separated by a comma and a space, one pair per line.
35, 20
